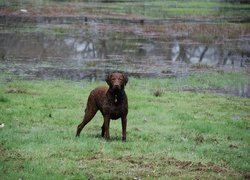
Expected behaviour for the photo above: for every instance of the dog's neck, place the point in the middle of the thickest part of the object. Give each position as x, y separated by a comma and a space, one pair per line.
116, 96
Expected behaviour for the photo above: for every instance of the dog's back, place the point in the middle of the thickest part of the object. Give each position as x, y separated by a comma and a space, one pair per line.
97, 98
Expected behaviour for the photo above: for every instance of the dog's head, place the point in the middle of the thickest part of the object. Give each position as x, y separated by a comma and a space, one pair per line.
116, 80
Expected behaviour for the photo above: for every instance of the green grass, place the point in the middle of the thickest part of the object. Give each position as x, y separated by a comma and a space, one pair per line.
221, 16
160, 9
175, 135
156, 9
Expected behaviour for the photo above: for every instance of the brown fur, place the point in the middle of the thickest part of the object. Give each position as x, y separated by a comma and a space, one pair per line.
111, 101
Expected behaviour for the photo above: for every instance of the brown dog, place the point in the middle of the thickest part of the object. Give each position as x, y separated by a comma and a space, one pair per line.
112, 102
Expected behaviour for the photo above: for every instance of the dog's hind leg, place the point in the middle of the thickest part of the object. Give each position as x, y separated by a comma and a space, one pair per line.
87, 117
103, 129
89, 114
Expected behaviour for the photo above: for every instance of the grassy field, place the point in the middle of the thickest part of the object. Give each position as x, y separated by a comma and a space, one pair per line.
174, 130
171, 133
157, 9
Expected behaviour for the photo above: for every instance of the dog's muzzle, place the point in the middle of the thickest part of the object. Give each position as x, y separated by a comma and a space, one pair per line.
116, 87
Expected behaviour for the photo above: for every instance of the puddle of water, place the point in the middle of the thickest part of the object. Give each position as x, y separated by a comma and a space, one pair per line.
242, 90
57, 49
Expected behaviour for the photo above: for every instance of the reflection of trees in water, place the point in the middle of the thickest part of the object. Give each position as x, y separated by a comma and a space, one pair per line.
182, 56
186, 53
237, 1
43, 47
234, 54
84, 48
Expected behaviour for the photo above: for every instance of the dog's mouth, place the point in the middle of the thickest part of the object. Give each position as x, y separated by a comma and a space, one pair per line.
116, 88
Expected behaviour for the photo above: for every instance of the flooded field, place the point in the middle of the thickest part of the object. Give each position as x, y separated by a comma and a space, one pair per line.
87, 47
71, 48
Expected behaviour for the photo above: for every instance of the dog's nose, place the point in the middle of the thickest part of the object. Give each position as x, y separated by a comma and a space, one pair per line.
116, 86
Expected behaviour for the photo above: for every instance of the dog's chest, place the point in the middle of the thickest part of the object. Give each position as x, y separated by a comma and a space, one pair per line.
115, 110
115, 106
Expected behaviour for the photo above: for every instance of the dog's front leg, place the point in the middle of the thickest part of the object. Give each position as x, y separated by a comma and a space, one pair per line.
106, 127
124, 127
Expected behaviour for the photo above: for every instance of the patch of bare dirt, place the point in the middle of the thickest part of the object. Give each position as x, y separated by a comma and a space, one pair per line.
142, 167
19, 90
64, 10
16, 91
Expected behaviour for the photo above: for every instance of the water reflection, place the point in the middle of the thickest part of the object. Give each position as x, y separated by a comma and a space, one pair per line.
212, 54
242, 90
152, 56
80, 48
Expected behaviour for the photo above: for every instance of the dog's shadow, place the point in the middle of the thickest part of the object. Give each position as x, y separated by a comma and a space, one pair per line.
114, 138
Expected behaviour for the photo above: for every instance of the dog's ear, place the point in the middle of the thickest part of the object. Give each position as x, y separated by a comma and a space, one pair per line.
107, 79
125, 78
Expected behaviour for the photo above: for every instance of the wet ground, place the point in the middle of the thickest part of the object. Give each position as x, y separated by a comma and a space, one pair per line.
87, 47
